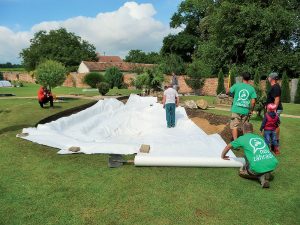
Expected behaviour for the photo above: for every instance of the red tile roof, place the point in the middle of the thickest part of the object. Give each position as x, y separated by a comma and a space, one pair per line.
123, 66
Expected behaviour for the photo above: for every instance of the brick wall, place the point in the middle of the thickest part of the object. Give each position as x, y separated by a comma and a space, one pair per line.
76, 79
22, 76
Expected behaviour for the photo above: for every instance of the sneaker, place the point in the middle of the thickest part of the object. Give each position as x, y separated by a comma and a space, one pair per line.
269, 176
276, 150
263, 181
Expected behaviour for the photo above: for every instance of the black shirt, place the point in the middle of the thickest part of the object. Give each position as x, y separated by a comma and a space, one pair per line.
275, 91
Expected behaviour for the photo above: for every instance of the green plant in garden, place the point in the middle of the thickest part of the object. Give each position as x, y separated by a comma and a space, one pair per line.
50, 74
103, 88
297, 96
151, 79
196, 74
93, 78
220, 87
285, 89
1, 76
114, 77
233, 75
268, 86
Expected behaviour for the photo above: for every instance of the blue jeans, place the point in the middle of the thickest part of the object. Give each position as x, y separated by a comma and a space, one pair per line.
170, 114
270, 137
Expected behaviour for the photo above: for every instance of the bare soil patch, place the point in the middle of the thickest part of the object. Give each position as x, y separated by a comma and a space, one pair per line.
211, 123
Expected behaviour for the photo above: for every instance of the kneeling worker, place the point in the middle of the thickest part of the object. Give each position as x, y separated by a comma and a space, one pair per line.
260, 162
45, 96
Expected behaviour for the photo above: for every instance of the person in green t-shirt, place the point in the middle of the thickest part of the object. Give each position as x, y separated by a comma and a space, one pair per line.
243, 103
260, 162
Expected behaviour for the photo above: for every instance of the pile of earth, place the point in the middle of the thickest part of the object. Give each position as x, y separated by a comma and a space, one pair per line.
211, 123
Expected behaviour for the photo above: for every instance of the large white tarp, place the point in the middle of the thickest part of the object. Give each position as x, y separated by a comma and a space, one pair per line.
112, 127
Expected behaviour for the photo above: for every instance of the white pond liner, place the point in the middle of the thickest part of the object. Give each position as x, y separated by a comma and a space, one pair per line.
111, 127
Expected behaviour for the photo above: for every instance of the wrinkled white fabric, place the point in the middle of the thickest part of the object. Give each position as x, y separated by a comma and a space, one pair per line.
111, 127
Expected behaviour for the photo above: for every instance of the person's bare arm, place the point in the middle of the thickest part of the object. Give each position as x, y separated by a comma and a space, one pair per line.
177, 101
164, 100
253, 101
276, 101
226, 149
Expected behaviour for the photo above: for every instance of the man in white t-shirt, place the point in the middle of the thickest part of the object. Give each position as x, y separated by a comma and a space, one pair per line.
170, 102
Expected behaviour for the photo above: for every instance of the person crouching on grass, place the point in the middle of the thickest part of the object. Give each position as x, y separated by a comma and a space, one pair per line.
260, 162
269, 125
45, 96
170, 102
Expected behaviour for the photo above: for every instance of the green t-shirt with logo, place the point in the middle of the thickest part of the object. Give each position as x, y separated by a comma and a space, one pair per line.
257, 152
243, 93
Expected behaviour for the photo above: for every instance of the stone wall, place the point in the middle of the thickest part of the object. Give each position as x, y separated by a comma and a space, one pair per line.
21, 76
76, 80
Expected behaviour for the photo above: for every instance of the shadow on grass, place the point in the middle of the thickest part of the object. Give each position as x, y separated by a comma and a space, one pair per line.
14, 128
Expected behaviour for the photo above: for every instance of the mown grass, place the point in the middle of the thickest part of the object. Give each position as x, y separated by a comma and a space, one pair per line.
288, 108
30, 90
37, 186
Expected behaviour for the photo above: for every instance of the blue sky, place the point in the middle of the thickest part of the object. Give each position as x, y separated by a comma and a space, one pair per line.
113, 26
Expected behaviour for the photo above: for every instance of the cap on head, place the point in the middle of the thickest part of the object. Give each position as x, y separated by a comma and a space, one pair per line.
271, 107
273, 76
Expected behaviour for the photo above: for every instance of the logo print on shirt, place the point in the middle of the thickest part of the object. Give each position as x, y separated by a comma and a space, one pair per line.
243, 95
257, 144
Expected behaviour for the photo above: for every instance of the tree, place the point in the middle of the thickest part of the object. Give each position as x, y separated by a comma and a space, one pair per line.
172, 63
245, 33
196, 74
58, 45
285, 87
257, 78
93, 78
138, 56
221, 87
1, 76
268, 86
114, 77
151, 79
233, 75
297, 96
103, 88
261, 98
50, 74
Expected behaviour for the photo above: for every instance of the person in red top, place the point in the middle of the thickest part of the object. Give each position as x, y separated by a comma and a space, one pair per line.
269, 124
45, 96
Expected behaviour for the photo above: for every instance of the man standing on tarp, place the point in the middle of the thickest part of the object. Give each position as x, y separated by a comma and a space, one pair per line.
243, 103
170, 102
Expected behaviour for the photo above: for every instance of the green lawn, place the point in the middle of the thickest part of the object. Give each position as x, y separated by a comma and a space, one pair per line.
30, 90
288, 108
37, 186
12, 70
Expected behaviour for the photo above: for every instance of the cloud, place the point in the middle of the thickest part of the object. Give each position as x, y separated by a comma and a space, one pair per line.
132, 26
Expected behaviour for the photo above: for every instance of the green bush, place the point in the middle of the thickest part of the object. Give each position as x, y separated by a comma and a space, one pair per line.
196, 74
233, 75
50, 73
285, 89
93, 78
1, 76
297, 96
103, 88
256, 78
221, 87
114, 77
172, 63
268, 86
